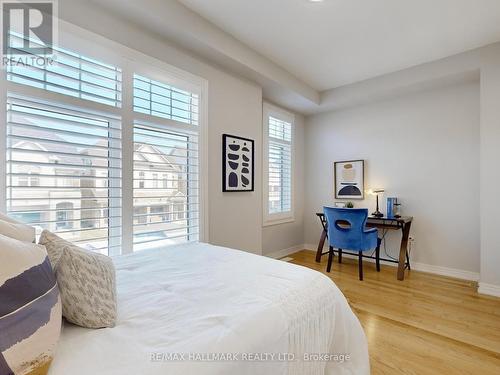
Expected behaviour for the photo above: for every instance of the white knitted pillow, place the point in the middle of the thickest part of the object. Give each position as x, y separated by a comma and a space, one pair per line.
88, 287
86, 282
54, 245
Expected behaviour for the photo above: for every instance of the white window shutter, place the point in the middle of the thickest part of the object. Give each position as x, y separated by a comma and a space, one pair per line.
64, 172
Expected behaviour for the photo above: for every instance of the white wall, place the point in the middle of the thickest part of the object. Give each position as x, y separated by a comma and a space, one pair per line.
490, 172
235, 107
421, 147
289, 235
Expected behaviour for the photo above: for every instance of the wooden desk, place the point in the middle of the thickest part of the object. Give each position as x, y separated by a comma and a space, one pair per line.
402, 223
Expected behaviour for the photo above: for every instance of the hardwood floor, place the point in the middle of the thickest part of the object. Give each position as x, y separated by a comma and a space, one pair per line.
426, 324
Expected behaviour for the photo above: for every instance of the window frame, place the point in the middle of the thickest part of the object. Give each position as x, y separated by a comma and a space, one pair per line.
269, 110
161, 124
129, 61
45, 101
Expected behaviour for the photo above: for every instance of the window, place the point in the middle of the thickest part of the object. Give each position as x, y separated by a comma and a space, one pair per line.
72, 74
29, 176
23, 181
64, 215
67, 195
34, 180
142, 182
62, 156
172, 211
159, 99
278, 179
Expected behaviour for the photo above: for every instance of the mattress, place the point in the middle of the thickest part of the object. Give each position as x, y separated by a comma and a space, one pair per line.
202, 309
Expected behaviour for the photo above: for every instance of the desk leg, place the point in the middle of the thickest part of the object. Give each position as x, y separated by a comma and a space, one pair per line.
320, 246
402, 251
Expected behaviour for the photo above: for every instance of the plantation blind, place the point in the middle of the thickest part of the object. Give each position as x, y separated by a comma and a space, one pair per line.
279, 166
64, 172
166, 189
163, 100
71, 74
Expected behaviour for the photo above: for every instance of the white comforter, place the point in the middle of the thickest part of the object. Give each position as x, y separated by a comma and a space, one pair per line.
202, 309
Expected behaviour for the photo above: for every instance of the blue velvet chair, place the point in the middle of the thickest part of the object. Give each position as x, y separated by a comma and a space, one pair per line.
346, 228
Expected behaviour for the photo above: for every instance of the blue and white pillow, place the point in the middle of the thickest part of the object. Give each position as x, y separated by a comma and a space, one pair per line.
30, 308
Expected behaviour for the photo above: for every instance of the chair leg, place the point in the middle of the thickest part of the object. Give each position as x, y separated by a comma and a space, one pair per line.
330, 259
360, 263
340, 255
377, 254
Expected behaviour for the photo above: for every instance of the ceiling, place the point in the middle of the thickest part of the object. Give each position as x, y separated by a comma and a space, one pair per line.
337, 42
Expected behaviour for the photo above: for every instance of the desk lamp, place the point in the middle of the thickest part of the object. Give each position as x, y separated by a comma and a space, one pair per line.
376, 192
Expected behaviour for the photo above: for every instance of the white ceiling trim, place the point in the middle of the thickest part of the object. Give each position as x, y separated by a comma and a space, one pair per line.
334, 43
458, 68
183, 26
168, 19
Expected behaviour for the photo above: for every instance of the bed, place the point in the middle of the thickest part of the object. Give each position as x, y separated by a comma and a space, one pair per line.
202, 309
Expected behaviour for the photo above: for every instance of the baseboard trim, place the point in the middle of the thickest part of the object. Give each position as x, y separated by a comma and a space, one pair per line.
284, 252
489, 289
423, 267
446, 271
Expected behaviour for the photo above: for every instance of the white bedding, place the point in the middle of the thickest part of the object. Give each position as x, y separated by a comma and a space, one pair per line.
200, 300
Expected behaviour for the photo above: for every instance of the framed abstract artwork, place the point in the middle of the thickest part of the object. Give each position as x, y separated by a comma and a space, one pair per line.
349, 179
237, 163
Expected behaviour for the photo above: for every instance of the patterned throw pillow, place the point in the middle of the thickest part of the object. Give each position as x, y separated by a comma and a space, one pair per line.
88, 287
54, 245
30, 308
